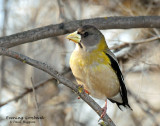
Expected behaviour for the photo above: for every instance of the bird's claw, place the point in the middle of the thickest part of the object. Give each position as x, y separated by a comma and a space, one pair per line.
86, 91
104, 109
81, 89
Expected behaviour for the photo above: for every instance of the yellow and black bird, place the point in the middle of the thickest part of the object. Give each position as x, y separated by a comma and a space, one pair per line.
96, 68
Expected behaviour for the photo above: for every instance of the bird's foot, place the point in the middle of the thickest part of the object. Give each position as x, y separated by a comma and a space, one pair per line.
81, 89
86, 91
104, 112
104, 109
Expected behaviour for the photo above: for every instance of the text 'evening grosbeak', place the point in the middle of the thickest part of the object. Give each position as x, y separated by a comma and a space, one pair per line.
96, 68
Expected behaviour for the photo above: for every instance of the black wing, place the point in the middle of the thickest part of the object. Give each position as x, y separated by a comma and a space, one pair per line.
123, 90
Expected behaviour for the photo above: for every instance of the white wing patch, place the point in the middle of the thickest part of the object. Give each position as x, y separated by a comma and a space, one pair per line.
117, 98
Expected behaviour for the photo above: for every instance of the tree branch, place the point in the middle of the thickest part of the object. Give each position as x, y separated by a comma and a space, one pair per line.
36, 102
146, 110
46, 68
67, 27
125, 44
28, 90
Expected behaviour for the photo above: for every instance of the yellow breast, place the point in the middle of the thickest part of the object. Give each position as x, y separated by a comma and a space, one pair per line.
93, 70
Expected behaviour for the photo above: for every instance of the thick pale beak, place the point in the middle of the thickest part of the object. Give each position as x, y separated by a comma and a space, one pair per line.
74, 37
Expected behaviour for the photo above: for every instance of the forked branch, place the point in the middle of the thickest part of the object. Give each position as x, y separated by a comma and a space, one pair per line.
46, 68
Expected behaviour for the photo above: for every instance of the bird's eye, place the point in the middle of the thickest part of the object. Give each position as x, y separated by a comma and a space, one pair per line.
85, 34
78, 33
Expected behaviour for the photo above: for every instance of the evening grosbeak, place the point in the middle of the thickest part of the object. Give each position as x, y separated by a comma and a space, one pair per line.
96, 68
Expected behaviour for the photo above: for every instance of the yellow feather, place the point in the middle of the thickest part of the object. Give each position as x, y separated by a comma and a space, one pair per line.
98, 55
93, 70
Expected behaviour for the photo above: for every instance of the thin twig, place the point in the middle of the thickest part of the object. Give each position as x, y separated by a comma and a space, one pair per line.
146, 110
36, 103
61, 10
46, 68
4, 29
28, 90
125, 44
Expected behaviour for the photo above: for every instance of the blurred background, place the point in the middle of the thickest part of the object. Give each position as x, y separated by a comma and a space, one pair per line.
139, 61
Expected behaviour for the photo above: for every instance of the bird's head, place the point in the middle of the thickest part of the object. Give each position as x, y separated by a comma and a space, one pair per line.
88, 38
